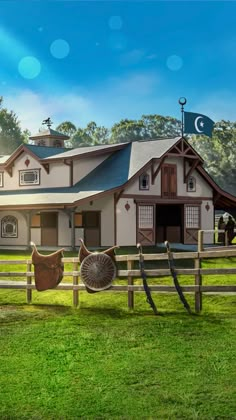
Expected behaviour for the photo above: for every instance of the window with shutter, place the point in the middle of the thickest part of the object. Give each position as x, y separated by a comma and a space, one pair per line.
169, 181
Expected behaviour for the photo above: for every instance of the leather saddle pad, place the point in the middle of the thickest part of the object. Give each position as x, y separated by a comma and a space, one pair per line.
48, 269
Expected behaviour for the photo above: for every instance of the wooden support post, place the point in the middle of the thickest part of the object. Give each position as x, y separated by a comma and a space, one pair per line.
72, 220
198, 282
130, 283
226, 238
200, 241
75, 283
28, 281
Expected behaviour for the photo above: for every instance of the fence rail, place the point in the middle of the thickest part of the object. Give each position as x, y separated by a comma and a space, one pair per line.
131, 273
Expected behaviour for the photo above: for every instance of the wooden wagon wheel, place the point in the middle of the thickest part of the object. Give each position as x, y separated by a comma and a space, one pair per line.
97, 271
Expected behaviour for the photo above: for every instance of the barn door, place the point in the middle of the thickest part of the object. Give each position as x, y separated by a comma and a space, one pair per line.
91, 223
168, 181
146, 224
192, 223
49, 229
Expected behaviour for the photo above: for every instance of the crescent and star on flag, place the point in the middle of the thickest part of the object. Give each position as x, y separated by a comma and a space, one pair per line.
193, 123
198, 123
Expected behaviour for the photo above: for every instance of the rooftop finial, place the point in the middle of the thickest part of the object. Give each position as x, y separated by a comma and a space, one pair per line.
48, 122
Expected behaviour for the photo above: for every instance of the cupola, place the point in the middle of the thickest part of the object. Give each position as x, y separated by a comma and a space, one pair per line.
49, 137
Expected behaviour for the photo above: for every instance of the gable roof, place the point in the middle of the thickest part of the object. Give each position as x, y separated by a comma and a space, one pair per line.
125, 162
38, 152
144, 151
96, 182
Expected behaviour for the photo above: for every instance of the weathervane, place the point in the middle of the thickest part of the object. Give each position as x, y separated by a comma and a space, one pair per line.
48, 122
182, 102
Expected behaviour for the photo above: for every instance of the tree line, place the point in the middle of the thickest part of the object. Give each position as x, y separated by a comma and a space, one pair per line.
218, 152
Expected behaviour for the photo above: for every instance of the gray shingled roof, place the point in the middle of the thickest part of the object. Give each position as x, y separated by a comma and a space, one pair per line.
88, 149
143, 151
112, 173
43, 152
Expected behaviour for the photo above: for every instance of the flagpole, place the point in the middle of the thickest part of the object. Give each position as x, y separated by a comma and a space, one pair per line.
182, 102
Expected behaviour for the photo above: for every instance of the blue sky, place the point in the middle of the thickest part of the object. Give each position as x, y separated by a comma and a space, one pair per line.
103, 61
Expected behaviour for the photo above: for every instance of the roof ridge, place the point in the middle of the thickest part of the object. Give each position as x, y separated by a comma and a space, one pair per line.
157, 139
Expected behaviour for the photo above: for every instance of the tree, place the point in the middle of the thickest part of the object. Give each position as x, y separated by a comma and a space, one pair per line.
91, 135
10, 132
219, 154
67, 128
147, 128
80, 139
127, 130
159, 126
26, 134
98, 135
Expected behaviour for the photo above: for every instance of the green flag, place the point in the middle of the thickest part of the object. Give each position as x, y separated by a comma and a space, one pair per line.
197, 124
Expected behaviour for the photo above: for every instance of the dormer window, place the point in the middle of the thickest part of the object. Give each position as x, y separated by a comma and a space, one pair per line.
29, 177
191, 184
144, 182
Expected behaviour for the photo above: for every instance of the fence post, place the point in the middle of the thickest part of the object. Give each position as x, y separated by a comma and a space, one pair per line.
75, 283
28, 281
130, 283
200, 240
198, 282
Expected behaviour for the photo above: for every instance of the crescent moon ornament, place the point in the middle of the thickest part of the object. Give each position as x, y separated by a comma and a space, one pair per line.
196, 125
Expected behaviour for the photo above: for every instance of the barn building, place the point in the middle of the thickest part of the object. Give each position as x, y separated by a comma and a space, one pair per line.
143, 191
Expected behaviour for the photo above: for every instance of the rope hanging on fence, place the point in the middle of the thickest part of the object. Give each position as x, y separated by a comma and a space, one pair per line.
174, 276
144, 278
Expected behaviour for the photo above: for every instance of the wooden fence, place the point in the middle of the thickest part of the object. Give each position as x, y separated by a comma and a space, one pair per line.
131, 273
214, 231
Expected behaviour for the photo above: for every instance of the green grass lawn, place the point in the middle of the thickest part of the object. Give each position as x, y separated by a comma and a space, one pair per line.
103, 361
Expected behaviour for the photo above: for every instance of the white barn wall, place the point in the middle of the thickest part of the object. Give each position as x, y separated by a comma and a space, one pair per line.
36, 235
79, 234
155, 189
59, 175
106, 206
126, 222
64, 231
202, 188
207, 221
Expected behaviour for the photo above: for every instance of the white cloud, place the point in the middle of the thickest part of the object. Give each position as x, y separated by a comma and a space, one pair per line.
118, 97
128, 97
32, 108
